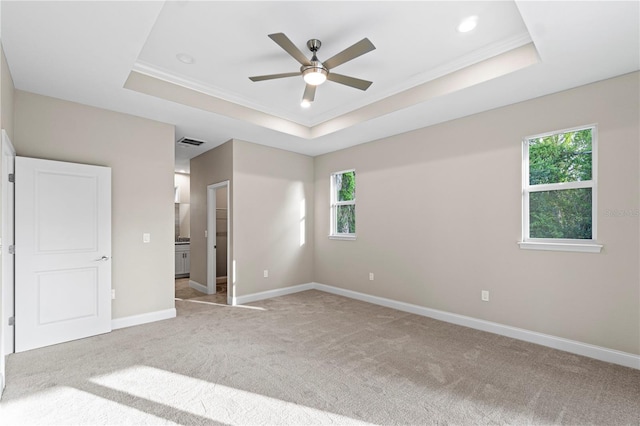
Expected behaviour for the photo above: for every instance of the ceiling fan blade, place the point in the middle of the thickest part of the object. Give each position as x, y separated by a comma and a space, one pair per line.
309, 93
358, 49
273, 76
284, 42
349, 81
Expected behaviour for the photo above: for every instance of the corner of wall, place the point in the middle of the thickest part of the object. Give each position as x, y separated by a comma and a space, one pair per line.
273, 211
7, 90
213, 166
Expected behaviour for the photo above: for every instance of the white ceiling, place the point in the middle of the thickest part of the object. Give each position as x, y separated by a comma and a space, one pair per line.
230, 44
86, 51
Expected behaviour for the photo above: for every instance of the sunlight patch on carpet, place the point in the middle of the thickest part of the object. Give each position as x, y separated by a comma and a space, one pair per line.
72, 406
214, 401
257, 308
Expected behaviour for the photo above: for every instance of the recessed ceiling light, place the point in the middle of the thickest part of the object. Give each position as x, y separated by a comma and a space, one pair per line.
305, 103
186, 59
468, 24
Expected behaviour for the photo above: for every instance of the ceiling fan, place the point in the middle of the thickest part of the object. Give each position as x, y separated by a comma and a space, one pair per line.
315, 72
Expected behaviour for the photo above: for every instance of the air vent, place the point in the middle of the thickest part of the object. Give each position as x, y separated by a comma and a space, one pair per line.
189, 142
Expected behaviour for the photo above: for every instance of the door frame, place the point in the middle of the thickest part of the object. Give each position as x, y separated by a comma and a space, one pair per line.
7, 281
211, 242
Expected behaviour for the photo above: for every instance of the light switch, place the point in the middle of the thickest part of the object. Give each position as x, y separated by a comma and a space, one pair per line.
146, 238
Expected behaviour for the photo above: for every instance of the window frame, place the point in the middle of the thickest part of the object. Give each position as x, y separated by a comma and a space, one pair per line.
560, 244
334, 203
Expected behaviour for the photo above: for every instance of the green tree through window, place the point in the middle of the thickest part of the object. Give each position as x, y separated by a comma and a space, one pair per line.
560, 186
344, 203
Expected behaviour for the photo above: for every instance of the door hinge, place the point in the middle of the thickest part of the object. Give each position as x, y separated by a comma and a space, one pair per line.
12, 249
12, 320
12, 177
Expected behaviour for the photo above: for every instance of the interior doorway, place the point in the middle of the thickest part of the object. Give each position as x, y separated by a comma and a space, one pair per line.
218, 240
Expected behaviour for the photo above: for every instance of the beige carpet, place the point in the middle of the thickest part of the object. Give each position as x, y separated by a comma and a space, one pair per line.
311, 358
184, 292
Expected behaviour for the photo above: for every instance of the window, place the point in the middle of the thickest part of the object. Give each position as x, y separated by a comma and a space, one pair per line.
343, 205
559, 191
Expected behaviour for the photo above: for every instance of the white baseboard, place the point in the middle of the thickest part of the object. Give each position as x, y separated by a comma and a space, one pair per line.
560, 343
572, 346
241, 300
221, 279
197, 286
142, 318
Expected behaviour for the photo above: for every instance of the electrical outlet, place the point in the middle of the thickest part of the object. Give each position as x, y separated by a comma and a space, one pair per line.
146, 238
370, 276
266, 273
485, 295
113, 293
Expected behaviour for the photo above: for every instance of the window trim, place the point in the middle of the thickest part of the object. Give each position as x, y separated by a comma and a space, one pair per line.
333, 235
560, 244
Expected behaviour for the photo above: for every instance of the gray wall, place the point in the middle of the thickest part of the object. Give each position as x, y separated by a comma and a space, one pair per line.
141, 155
272, 188
211, 167
7, 92
439, 216
268, 186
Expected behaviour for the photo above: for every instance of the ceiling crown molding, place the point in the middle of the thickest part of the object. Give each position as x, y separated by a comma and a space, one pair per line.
487, 52
159, 73
477, 73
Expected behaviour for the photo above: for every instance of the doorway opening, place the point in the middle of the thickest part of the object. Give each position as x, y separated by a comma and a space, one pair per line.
218, 241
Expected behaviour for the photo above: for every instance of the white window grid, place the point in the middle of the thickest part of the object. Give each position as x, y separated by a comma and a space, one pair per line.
335, 204
527, 188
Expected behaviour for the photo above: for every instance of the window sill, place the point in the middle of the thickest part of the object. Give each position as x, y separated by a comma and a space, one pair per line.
343, 237
576, 247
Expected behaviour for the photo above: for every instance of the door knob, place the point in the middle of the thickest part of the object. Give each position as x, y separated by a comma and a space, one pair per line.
103, 259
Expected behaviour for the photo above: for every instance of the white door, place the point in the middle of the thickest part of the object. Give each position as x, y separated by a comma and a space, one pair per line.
211, 238
62, 252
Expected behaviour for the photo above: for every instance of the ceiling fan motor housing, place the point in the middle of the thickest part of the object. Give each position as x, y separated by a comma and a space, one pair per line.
316, 66
314, 45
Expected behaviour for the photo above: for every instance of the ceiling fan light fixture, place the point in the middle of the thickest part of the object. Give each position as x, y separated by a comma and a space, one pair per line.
305, 103
314, 75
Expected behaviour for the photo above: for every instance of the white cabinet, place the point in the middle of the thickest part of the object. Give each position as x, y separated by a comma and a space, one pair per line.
183, 260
